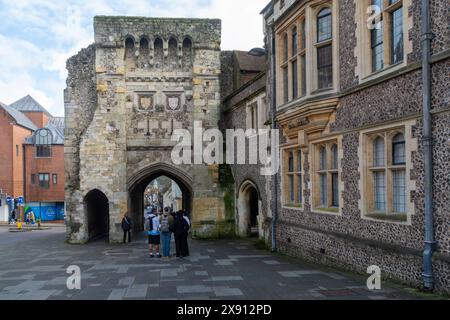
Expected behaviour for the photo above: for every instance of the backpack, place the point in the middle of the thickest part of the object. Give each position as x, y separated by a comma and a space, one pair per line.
126, 224
149, 223
165, 224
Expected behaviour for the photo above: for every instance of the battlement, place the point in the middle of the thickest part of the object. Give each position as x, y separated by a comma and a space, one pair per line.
113, 31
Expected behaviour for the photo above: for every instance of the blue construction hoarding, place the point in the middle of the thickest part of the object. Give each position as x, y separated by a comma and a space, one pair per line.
47, 211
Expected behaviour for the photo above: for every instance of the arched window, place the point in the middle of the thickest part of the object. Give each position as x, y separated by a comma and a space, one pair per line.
285, 48
144, 44
324, 25
379, 177
334, 155
322, 158
129, 48
294, 41
173, 51
144, 52
291, 177
324, 49
159, 52
43, 141
398, 150
187, 53
378, 152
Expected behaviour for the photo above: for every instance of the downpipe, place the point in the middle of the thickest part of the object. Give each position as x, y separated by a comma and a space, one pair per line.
430, 243
274, 127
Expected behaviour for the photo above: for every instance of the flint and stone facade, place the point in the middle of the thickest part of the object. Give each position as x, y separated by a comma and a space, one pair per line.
335, 220
142, 79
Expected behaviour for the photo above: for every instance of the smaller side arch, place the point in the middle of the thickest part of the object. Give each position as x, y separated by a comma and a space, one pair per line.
96, 207
248, 209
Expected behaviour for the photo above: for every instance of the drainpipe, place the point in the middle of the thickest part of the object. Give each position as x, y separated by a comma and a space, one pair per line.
430, 243
274, 127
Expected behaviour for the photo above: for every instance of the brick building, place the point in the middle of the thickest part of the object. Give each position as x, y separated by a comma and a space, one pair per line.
348, 101
32, 158
14, 128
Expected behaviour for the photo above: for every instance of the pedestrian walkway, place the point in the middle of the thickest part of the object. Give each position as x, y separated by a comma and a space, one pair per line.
215, 270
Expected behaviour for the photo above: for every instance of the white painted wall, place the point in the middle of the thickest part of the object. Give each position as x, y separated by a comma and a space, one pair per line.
4, 210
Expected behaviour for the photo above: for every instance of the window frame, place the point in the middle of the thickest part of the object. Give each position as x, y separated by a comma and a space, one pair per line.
320, 45
293, 198
43, 144
44, 185
386, 18
333, 204
390, 170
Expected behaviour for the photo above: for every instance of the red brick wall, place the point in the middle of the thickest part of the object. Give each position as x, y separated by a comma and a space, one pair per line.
6, 164
53, 165
19, 135
40, 119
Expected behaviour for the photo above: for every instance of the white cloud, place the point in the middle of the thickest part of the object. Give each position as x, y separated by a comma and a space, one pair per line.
43, 34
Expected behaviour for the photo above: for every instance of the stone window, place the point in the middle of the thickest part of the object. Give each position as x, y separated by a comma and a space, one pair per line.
326, 182
253, 115
55, 178
385, 187
33, 178
324, 48
159, 52
144, 53
256, 113
306, 51
284, 69
387, 33
44, 180
173, 51
130, 54
129, 48
43, 142
293, 178
187, 53
302, 55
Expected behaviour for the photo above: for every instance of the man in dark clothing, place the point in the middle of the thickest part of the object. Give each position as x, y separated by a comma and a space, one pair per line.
126, 227
13, 216
181, 228
185, 240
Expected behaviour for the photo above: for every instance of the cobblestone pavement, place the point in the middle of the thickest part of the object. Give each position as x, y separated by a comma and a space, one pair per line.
35, 268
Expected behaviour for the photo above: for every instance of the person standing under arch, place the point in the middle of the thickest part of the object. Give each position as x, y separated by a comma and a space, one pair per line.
153, 230
186, 245
126, 227
181, 229
166, 227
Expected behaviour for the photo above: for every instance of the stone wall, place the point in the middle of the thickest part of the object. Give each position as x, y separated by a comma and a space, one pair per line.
126, 96
234, 116
349, 240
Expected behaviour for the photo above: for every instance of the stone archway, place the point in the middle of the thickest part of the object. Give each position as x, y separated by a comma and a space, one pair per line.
249, 213
96, 206
138, 183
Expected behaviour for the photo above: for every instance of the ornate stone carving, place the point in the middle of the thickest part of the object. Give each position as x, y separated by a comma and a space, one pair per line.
146, 102
173, 102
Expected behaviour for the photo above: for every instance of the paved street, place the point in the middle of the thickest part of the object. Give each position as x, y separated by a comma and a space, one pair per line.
33, 266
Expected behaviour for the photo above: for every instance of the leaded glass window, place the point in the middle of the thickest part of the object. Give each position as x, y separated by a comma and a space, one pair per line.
378, 152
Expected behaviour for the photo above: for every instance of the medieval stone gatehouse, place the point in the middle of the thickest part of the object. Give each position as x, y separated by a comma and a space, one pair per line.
142, 79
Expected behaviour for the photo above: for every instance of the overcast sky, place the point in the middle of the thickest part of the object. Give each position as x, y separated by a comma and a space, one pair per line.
38, 36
